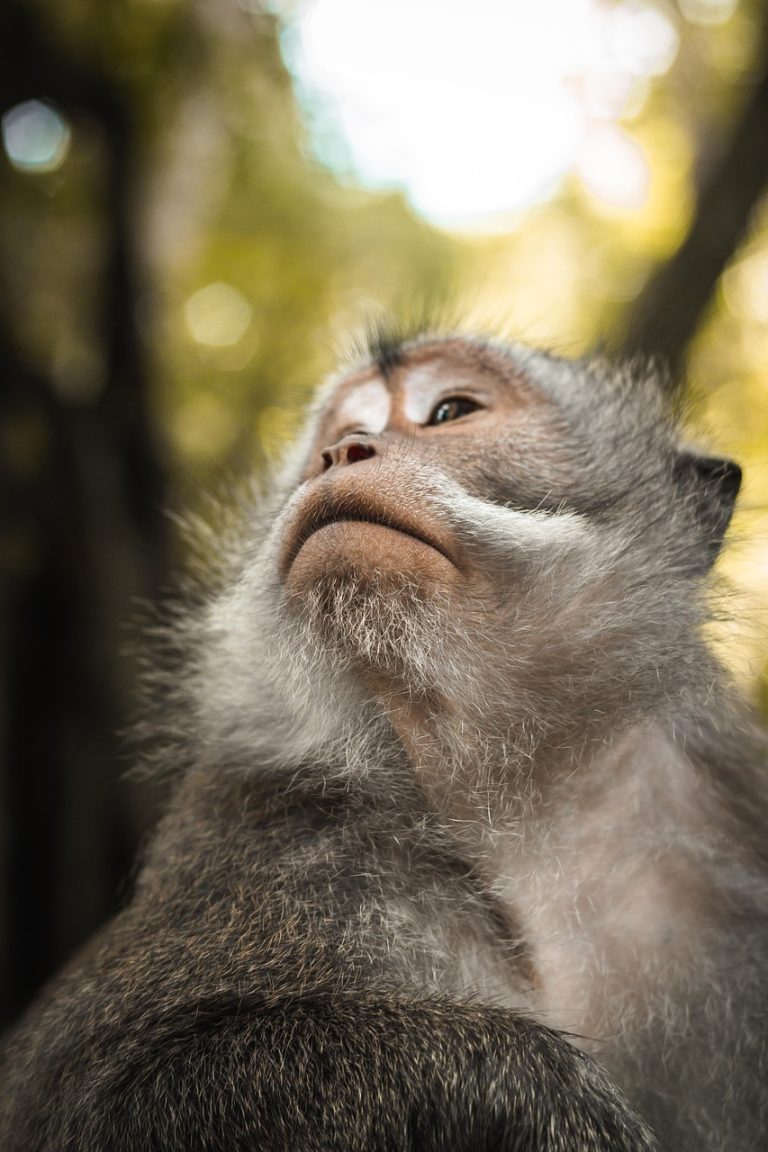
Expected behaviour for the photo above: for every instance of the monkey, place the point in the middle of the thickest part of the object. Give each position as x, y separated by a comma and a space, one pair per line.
466, 847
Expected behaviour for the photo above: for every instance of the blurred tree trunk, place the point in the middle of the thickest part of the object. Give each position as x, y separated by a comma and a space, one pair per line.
84, 537
668, 312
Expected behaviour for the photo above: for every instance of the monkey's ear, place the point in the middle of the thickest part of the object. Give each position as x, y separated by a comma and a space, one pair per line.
711, 484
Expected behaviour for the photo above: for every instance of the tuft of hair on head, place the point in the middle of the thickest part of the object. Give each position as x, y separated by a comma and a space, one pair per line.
384, 343
385, 339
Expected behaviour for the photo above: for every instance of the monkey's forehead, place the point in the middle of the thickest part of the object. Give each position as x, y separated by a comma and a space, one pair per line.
429, 361
453, 351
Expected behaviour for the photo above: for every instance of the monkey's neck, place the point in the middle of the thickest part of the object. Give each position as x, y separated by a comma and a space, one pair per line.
489, 782
446, 768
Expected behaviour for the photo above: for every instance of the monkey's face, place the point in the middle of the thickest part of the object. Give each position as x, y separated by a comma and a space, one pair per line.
382, 535
370, 500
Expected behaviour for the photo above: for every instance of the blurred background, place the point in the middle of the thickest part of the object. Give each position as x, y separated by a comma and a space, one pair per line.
199, 198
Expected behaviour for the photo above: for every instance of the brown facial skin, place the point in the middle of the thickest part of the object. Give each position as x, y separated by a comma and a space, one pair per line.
448, 406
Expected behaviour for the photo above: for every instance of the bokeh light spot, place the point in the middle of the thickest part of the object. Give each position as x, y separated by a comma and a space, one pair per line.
614, 168
745, 287
217, 315
36, 137
643, 40
708, 12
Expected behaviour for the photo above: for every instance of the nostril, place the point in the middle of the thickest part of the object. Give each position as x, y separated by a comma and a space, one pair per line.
346, 452
357, 452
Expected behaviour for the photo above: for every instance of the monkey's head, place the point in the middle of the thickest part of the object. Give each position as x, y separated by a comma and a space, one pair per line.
491, 531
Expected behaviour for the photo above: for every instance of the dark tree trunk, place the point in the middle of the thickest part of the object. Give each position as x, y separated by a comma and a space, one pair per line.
671, 307
84, 537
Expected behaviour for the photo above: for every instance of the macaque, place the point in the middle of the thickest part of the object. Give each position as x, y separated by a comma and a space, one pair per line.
467, 848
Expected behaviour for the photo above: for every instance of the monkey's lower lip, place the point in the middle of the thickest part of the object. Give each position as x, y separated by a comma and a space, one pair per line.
391, 525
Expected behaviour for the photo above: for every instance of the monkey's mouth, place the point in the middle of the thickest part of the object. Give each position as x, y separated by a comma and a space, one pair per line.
324, 509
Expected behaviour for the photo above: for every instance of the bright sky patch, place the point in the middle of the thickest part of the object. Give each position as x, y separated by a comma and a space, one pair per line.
480, 111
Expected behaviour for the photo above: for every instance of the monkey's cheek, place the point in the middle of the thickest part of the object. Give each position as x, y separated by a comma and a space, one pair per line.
365, 552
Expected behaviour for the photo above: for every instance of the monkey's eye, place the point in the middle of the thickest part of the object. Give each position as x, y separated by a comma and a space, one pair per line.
452, 409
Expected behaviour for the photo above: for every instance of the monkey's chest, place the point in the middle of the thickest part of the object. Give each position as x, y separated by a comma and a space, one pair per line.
602, 938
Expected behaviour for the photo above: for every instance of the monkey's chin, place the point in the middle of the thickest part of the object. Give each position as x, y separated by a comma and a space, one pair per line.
377, 603
364, 551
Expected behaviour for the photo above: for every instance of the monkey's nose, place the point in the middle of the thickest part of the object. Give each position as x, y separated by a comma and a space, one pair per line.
350, 450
